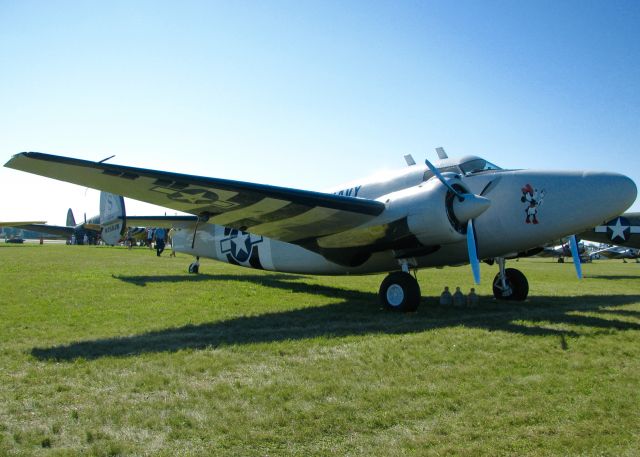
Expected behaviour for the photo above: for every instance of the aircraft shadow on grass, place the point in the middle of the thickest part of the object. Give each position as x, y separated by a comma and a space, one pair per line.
356, 314
613, 277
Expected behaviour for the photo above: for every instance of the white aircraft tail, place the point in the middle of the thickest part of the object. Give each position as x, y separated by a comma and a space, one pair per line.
112, 218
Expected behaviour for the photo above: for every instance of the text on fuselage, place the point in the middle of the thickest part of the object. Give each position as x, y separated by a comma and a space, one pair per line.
350, 192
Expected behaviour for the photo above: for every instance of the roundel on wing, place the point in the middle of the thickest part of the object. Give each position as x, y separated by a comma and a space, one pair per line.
194, 196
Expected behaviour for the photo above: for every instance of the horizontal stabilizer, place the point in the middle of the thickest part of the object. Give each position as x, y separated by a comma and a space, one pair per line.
160, 221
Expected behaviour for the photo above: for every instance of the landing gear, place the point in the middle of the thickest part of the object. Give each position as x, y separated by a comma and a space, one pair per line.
510, 284
400, 292
194, 268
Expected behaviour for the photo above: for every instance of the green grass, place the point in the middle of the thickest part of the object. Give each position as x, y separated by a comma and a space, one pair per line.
105, 351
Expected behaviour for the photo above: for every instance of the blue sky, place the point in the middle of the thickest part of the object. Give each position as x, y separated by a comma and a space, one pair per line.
310, 94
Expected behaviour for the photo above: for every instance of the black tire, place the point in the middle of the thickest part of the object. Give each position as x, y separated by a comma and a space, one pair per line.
516, 281
560, 260
194, 268
400, 292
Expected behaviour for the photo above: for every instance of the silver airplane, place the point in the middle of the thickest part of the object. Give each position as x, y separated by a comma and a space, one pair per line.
455, 212
562, 250
617, 252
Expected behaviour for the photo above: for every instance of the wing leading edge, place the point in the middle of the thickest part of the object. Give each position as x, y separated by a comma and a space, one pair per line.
277, 212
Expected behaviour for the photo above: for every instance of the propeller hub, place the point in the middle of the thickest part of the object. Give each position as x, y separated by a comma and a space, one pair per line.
471, 207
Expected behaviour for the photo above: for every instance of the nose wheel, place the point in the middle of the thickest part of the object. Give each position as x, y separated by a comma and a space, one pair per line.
510, 284
400, 292
194, 268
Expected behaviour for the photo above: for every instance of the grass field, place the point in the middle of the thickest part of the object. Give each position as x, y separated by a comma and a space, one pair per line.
105, 351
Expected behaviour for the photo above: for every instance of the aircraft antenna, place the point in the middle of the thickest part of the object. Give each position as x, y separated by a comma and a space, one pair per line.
409, 159
104, 160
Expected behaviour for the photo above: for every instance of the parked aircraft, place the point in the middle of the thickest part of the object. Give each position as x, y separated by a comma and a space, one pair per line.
623, 230
12, 232
90, 227
618, 252
562, 250
457, 212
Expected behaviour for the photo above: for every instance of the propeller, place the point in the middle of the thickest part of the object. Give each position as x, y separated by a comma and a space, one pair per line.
472, 248
437, 173
467, 207
573, 244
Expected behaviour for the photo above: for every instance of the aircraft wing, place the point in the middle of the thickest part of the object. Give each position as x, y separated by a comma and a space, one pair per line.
19, 224
277, 212
41, 227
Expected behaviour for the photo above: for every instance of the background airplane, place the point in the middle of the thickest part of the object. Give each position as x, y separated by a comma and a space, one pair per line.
13, 234
90, 227
618, 252
457, 212
72, 232
623, 230
562, 250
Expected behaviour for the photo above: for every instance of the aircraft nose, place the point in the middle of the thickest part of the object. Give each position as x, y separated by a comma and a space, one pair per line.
531, 208
612, 193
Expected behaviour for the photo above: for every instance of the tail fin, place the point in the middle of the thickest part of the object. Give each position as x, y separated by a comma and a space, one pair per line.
71, 221
112, 217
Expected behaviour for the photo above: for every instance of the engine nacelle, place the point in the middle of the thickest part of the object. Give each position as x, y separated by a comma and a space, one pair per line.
430, 211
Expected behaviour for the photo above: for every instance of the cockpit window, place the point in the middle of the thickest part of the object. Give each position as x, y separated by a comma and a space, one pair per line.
476, 165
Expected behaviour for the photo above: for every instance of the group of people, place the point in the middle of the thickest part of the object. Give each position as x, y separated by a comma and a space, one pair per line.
154, 237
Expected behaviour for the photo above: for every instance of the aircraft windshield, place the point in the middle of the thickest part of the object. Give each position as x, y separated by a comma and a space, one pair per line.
476, 165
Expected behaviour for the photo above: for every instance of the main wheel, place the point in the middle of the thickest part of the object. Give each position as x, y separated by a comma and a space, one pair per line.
517, 286
400, 292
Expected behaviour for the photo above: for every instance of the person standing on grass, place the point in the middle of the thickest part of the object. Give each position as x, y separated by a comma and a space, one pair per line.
160, 240
149, 237
128, 241
171, 233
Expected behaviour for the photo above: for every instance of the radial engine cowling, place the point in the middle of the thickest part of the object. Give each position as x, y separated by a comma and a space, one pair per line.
435, 215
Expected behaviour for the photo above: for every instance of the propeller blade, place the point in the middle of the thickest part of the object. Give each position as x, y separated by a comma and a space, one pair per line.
437, 173
573, 244
472, 247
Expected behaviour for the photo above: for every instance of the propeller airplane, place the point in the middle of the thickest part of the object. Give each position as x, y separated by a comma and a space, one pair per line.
453, 212
90, 227
623, 230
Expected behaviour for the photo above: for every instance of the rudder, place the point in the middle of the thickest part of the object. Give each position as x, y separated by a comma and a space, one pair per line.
112, 217
71, 221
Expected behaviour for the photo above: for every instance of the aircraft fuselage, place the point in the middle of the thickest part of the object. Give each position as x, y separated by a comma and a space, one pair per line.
528, 209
